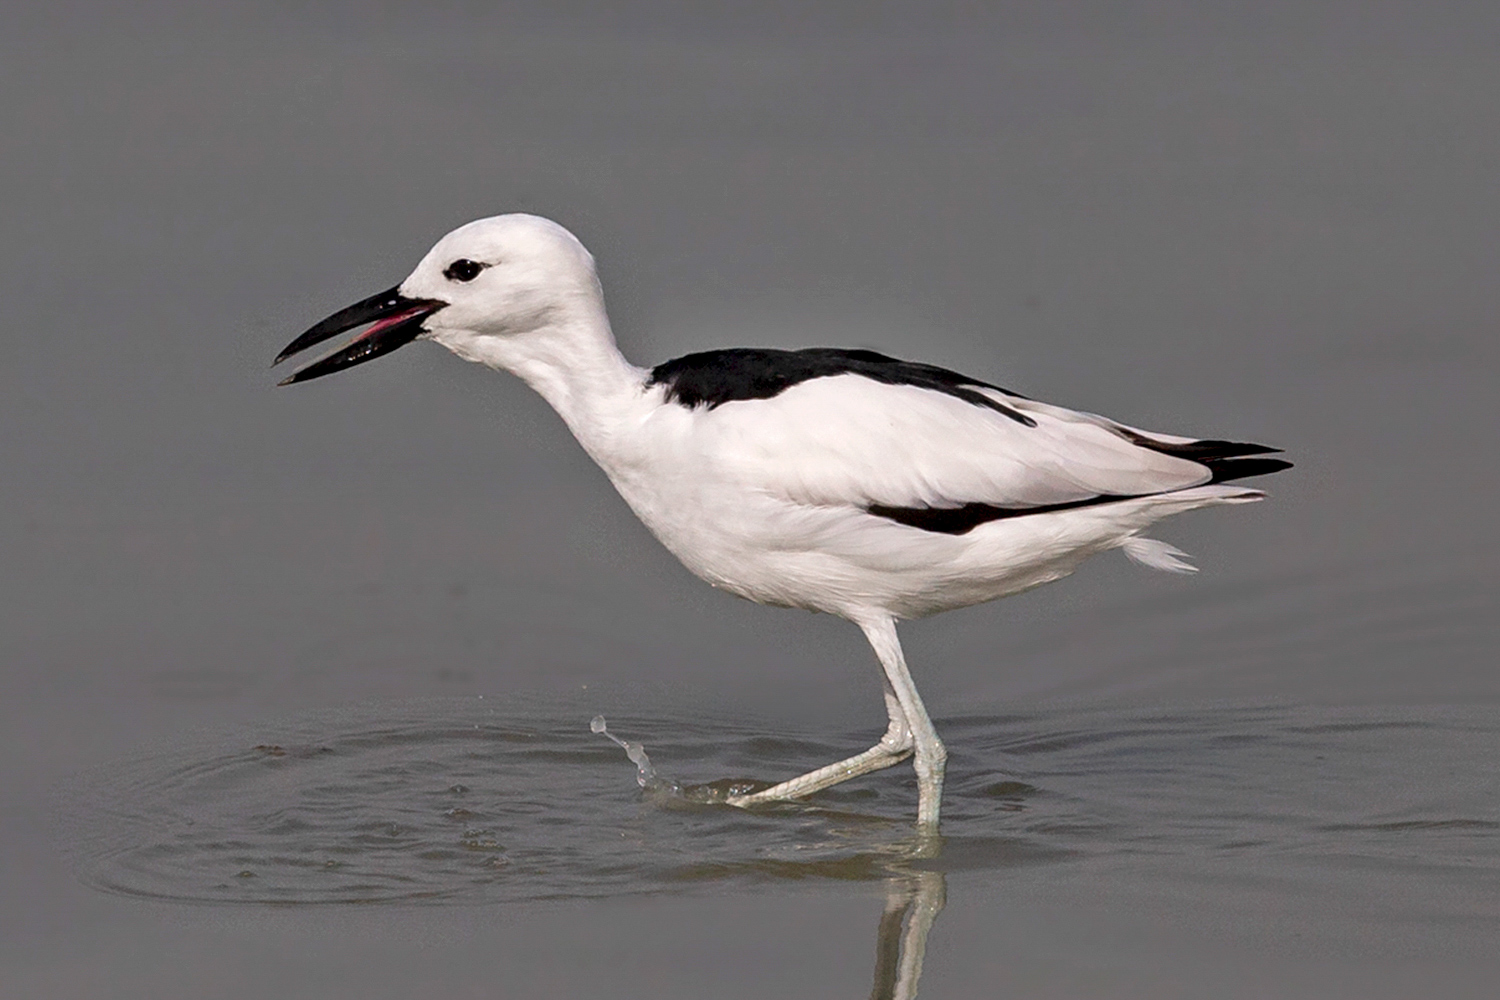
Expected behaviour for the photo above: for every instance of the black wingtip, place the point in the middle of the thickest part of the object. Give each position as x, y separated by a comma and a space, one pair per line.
1244, 468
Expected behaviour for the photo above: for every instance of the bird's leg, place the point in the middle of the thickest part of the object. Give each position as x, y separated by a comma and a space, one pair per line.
931, 755
894, 747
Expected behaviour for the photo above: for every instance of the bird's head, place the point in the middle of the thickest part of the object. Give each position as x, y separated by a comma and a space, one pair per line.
488, 282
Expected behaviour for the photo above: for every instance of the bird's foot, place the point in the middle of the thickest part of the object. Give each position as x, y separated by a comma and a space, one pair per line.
874, 759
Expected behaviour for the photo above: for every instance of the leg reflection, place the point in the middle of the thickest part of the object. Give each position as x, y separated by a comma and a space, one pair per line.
912, 903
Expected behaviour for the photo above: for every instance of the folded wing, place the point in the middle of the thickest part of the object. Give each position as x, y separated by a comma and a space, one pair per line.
937, 461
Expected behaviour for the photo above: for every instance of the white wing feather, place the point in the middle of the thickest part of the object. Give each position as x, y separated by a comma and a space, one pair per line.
849, 440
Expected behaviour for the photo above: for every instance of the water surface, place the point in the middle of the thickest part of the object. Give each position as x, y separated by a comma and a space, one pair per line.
479, 802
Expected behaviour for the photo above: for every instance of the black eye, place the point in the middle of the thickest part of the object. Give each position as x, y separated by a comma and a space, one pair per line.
463, 269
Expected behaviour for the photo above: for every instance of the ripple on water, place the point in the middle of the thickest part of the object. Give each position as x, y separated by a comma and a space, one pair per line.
460, 801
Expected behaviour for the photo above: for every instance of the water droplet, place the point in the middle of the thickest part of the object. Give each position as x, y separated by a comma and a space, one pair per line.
480, 840
645, 774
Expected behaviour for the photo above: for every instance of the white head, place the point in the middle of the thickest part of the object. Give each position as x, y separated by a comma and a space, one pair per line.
492, 290
503, 276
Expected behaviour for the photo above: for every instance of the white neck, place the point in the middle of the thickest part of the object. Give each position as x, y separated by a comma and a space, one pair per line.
571, 360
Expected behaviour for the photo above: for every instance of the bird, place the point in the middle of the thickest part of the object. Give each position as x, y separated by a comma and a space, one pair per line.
834, 480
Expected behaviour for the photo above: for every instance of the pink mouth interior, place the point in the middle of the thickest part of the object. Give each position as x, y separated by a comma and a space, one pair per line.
392, 320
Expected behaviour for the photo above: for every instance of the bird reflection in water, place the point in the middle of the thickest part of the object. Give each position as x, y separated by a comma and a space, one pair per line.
912, 903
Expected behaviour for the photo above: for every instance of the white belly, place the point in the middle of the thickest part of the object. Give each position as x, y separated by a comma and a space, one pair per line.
844, 561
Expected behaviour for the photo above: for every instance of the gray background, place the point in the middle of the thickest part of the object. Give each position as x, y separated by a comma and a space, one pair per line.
1268, 222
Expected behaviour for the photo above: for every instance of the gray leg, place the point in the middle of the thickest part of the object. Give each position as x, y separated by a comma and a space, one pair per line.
894, 747
931, 756
910, 730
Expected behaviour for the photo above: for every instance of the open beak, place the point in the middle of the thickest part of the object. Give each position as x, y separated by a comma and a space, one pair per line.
395, 321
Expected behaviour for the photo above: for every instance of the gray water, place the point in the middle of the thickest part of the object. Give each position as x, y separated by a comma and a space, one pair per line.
296, 685
456, 801
465, 802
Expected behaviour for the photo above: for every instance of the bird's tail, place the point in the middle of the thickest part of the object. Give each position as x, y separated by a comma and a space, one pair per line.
1156, 554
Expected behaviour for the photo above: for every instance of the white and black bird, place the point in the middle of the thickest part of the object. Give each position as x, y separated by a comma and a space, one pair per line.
840, 481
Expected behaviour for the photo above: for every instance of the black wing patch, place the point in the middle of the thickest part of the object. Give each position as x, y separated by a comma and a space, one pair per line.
962, 520
1223, 459
711, 378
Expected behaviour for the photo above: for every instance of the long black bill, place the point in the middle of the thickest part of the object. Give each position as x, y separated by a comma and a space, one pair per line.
397, 321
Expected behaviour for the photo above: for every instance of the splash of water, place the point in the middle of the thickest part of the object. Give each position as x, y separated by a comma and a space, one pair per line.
645, 775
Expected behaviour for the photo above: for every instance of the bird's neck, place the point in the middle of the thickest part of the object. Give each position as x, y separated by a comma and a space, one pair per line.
572, 362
